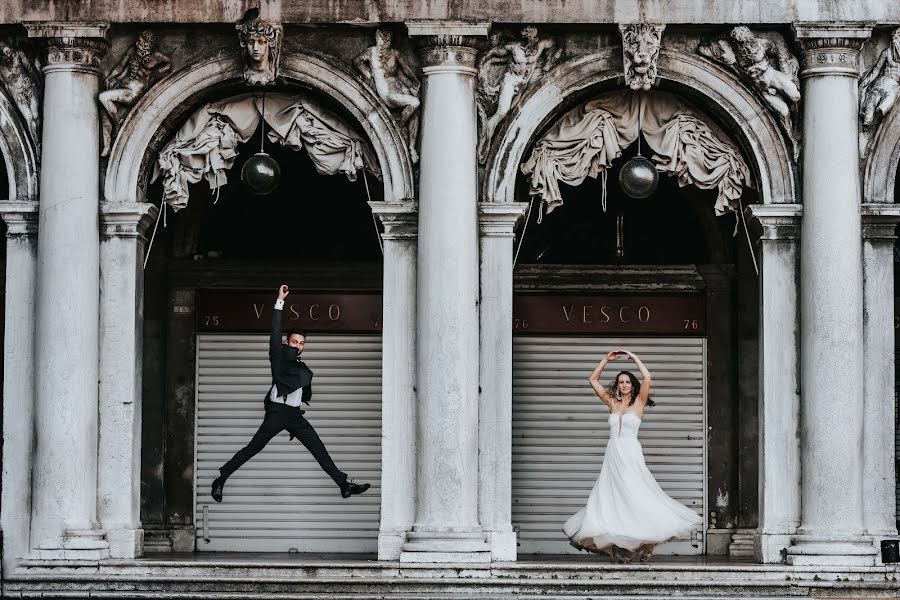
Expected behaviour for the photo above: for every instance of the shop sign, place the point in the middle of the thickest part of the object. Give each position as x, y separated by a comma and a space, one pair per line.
604, 315
243, 312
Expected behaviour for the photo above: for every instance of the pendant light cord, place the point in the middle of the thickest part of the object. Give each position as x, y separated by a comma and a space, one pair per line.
262, 126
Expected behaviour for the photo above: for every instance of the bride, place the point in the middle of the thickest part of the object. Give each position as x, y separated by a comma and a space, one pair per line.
627, 513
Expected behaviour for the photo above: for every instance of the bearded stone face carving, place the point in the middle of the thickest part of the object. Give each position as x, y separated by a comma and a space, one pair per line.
640, 53
261, 45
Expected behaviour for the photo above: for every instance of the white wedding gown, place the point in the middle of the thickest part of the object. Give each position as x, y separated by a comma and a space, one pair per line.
627, 508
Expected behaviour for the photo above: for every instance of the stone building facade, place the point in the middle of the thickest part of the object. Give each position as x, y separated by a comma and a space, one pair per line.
448, 148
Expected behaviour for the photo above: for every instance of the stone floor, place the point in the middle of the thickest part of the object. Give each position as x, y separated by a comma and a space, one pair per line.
361, 577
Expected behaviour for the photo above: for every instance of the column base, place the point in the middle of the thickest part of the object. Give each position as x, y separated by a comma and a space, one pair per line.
77, 544
445, 547
125, 543
772, 548
850, 551
503, 545
389, 544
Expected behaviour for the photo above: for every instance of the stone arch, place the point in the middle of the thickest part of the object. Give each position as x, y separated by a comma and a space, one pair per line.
19, 153
880, 171
745, 118
144, 130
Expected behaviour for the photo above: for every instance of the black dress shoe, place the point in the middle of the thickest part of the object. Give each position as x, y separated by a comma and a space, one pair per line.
349, 488
217, 486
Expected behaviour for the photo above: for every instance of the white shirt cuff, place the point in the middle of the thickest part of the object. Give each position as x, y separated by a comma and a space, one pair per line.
279, 304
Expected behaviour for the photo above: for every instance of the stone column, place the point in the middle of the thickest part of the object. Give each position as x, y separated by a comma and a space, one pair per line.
121, 345
446, 526
398, 377
64, 519
18, 384
779, 384
831, 305
879, 478
495, 400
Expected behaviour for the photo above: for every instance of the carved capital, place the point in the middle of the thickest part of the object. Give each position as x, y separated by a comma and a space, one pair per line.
778, 221
400, 219
71, 46
830, 50
21, 218
447, 44
499, 219
879, 221
126, 220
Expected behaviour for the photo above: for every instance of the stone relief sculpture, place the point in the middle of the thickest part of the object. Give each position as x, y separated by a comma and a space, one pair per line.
763, 58
392, 77
24, 83
640, 53
140, 67
261, 46
879, 88
505, 70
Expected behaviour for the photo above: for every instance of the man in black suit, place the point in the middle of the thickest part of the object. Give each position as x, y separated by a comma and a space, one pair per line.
291, 386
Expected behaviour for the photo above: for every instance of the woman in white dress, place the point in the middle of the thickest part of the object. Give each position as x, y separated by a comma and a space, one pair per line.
627, 513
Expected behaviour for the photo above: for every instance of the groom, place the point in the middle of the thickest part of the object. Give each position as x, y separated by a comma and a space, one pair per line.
291, 385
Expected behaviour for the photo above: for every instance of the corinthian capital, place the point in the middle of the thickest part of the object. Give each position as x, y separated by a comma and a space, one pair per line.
830, 49
71, 45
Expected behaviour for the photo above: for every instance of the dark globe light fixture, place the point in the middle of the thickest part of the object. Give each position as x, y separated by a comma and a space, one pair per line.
638, 177
261, 174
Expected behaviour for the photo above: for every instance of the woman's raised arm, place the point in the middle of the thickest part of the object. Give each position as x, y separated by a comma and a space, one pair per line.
594, 379
644, 394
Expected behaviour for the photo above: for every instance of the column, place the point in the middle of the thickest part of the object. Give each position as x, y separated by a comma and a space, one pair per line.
497, 226
122, 246
446, 526
831, 305
879, 478
64, 518
18, 384
779, 391
398, 378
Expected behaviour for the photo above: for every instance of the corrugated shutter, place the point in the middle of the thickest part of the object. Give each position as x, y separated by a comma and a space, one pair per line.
560, 430
281, 500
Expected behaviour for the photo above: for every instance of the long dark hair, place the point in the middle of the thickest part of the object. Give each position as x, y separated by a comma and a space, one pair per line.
635, 388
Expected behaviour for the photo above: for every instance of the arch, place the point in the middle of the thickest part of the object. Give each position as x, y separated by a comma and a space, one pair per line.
19, 153
745, 117
880, 174
144, 130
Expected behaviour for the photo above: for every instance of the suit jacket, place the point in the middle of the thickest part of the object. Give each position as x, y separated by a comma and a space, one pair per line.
289, 373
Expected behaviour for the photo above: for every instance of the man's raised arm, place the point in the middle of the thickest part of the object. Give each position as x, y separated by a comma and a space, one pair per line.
275, 334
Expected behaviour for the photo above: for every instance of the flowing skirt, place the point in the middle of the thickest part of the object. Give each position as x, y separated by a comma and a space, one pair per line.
627, 508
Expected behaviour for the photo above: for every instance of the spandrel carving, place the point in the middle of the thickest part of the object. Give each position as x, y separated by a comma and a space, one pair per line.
764, 60
261, 48
640, 54
140, 67
505, 70
879, 88
22, 78
395, 81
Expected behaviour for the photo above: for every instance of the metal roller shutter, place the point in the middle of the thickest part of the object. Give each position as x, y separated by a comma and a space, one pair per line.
281, 500
560, 430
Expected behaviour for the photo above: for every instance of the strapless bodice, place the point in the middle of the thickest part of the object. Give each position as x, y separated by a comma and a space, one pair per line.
624, 426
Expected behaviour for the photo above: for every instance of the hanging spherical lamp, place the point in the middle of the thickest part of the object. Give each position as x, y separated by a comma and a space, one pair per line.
261, 172
638, 177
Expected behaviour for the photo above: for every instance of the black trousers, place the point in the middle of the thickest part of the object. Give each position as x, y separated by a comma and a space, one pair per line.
278, 418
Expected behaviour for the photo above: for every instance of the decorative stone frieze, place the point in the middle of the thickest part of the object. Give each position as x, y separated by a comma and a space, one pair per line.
765, 61
140, 67
640, 54
25, 84
505, 70
880, 85
395, 81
